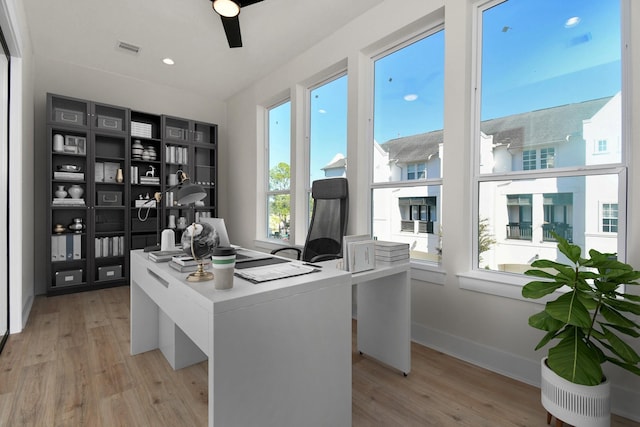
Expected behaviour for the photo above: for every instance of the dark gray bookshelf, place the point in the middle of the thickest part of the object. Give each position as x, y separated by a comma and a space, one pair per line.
89, 142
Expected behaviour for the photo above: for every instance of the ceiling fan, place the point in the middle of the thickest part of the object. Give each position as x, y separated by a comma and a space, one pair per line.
229, 11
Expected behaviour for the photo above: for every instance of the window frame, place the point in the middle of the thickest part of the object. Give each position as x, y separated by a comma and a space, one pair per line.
404, 182
326, 79
268, 193
509, 284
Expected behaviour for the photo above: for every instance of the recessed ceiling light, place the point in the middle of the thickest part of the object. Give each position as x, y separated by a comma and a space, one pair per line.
410, 97
572, 22
168, 61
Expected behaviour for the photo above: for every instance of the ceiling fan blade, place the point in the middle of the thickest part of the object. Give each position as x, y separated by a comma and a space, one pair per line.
244, 3
232, 30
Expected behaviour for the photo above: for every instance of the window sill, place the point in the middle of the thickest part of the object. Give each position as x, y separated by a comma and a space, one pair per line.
500, 284
431, 273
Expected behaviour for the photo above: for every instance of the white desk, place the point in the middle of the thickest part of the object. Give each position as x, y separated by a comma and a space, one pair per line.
384, 314
279, 352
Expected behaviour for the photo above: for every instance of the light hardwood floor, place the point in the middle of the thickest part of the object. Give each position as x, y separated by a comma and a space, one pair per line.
71, 367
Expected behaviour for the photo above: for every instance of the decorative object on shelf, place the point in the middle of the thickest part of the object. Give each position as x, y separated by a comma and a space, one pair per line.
75, 191
119, 176
182, 223
151, 152
586, 319
59, 229
199, 240
136, 150
172, 221
69, 168
77, 225
60, 192
58, 143
145, 155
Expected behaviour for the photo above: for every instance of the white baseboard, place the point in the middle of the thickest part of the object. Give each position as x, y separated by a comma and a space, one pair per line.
623, 402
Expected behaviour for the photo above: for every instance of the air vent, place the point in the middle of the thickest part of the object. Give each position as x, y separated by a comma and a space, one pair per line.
129, 47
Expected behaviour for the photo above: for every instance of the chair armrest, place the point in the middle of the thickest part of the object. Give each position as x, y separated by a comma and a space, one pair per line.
325, 257
288, 248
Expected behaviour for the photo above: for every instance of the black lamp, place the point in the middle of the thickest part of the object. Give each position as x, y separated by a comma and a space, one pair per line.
187, 193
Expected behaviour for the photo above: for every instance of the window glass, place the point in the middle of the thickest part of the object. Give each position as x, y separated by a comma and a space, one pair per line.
279, 179
328, 130
408, 145
551, 78
519, 218
550, 103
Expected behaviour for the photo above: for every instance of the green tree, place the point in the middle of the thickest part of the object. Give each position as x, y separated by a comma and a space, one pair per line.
279, 204
485, 238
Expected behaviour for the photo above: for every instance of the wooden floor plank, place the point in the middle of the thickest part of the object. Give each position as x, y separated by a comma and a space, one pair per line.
71, 366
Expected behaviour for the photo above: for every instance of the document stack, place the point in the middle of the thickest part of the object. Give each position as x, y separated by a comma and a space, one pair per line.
164, 256
149, 180
187, 264
391, 253
67, 201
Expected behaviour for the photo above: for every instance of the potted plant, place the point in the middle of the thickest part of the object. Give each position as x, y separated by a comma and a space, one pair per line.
585, 323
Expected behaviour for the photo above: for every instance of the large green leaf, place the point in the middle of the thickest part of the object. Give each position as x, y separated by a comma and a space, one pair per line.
571, 251
567, 308
621, 348
631, 297
538, 289
628, 306
631, 368
547, 337
545, 322
615, 317
627, 331
574, 361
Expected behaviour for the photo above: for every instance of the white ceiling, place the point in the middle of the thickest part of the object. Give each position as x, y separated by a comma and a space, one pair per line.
87, 32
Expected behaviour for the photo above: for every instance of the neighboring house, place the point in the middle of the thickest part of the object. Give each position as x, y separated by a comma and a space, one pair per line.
523, 212
337, 167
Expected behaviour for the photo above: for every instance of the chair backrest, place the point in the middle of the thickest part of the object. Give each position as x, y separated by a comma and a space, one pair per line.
328, 219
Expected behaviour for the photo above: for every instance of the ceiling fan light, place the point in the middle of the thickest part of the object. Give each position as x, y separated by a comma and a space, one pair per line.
226, 8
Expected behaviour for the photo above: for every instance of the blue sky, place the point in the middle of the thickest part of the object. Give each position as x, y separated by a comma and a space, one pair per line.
534, 56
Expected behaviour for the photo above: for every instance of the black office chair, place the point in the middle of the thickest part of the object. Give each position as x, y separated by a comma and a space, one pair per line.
328, 221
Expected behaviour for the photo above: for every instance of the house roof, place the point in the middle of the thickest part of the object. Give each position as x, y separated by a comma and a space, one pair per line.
336, 164
543, 127
546, 127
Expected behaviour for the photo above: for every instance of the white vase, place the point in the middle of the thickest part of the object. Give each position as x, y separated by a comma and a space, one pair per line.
60, 192
75, 191
575, 404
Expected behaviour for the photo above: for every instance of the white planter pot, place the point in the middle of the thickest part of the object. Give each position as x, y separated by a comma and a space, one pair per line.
575, 404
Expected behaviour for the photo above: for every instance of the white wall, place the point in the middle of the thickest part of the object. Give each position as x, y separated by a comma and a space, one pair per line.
21, 211
70, 80
477, 326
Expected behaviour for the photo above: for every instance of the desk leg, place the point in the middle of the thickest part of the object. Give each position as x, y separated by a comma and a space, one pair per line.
144, 321
384, 320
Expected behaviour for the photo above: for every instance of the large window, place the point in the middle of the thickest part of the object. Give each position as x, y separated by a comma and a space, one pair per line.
327, 132
407, 146
549, 129
278, 191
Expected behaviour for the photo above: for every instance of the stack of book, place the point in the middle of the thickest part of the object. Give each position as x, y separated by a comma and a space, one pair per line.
390, 253
184, 263
69, 176
67, 201
149, 180
164, 256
